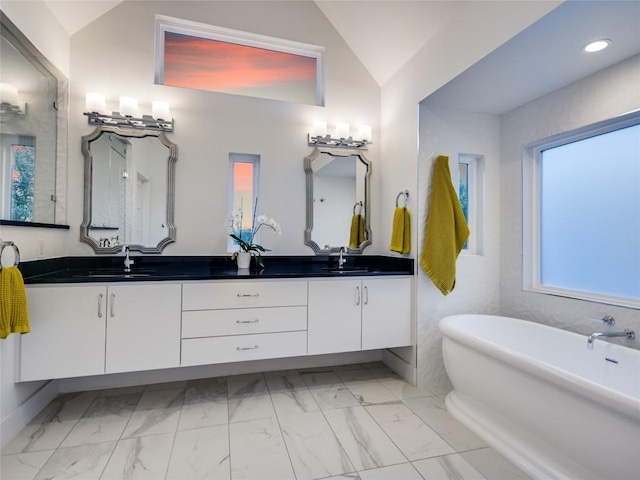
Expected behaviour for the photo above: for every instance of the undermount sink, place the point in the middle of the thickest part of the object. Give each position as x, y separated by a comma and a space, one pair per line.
352, 270
114, 274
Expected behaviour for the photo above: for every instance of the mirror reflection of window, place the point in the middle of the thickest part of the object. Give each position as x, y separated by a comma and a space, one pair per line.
28, 121
18, 173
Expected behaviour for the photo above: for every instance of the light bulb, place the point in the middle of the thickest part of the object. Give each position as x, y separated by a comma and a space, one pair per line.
128, 106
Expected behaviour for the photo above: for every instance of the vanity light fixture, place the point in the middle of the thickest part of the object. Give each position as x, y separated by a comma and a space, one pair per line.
320, 138
597, 45
9, 104
128, 116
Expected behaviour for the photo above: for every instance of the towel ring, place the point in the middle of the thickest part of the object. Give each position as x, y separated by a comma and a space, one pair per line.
15, 250
356, 205
405, 194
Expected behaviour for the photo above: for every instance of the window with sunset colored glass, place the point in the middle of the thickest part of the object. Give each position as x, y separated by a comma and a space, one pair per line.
243, 194
204, 57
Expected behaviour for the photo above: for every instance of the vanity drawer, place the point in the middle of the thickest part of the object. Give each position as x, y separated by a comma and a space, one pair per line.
237, 294
238, 348
241, 321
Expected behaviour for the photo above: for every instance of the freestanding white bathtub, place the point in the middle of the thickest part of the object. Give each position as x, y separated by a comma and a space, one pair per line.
541, 398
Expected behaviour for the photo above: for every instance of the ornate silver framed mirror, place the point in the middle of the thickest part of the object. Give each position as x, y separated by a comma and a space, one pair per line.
338, 200
129, 190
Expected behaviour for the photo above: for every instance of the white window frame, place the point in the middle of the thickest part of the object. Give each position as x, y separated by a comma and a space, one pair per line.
166, 24
242, 158
531, 209
475, 198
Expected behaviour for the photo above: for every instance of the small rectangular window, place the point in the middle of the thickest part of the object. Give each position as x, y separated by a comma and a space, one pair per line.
18, 177
583, 217
23, 168
205, 57
243, 195
470, 192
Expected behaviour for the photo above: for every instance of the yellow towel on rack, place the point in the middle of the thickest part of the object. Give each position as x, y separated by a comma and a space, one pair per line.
14, 317
401, 231
356, 232
446, 231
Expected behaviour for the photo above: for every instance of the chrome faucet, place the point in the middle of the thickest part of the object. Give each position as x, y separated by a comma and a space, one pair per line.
630, 334
127, 261
342, 260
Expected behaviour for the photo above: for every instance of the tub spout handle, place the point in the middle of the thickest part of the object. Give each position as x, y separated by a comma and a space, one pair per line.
628, 333
608, 320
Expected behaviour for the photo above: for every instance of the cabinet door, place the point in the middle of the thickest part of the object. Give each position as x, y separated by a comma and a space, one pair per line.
67, 333
143, 327
386, 313
334, 316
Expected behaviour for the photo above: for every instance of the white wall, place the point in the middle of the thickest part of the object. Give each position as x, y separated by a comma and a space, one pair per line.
18, 402
39, 25
479, 28
452, 132
601, 96
209, 125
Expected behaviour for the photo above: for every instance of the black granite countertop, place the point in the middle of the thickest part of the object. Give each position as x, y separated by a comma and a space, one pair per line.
184, 268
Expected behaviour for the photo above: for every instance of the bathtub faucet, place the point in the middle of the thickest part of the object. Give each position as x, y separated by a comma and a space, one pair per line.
630, 334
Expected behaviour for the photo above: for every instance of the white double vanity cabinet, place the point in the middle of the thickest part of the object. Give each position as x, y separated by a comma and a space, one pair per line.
81, 329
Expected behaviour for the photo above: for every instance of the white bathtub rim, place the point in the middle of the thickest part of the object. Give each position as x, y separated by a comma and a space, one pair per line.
624, 404
505, 443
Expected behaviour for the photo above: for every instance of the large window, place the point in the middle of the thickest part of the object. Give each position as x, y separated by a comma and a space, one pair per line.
582, 219
244, 172
204, 57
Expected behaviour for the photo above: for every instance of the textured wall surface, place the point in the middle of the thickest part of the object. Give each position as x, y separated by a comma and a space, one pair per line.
604, 95
492, 282
452, 132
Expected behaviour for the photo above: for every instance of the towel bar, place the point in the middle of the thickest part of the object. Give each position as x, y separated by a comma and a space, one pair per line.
405, 194
3, 244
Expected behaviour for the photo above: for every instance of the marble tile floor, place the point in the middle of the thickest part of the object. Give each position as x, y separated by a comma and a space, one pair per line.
349, 422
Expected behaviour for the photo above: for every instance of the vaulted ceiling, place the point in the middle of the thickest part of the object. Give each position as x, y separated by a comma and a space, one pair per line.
385, 34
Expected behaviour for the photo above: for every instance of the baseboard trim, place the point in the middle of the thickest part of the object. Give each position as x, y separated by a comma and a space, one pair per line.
398, 365
204, 371
21, 416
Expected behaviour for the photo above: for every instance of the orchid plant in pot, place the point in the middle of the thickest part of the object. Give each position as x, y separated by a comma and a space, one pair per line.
245, 237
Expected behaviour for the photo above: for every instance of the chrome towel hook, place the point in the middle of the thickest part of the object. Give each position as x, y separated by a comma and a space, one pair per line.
405, 194
357, 204
3, 244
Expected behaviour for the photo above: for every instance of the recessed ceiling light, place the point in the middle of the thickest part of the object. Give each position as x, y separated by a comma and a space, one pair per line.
597, 45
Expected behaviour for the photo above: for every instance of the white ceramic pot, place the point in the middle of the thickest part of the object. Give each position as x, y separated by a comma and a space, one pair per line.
243, 259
